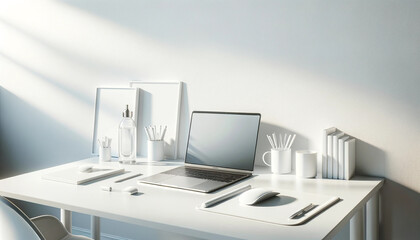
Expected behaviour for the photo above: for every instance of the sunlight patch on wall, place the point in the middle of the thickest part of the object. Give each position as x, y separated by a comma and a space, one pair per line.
49, 99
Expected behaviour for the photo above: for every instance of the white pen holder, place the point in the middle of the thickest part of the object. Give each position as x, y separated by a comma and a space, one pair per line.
155, 150
281, 160
104, 154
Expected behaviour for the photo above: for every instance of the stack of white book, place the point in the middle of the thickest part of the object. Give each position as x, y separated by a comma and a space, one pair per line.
338, 155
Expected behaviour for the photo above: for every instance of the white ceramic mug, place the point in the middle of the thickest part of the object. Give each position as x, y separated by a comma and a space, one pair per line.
155, 150
306, 163
281, 160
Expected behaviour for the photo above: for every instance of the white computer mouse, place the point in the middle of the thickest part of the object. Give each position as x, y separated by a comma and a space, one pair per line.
256, 195
130, 190
86, 168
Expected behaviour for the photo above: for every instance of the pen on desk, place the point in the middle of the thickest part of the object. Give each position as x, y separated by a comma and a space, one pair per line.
126, 178
302, 211
223, 197
106, 188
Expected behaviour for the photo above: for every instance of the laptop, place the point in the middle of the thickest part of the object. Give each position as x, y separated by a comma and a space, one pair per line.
220, 151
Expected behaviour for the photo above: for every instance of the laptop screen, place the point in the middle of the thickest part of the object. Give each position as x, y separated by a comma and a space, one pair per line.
227, 140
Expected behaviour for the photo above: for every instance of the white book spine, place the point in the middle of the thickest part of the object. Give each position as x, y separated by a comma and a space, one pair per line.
335, 154
334, 157
341, 162
329, 156
349, 158
324, 163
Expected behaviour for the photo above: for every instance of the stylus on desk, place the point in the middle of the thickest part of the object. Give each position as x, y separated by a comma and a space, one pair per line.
223, 197
126, 178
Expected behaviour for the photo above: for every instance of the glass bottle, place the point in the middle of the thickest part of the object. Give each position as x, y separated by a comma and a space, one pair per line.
127, 138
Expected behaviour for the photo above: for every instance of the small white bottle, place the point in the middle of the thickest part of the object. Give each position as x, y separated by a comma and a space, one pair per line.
127, 138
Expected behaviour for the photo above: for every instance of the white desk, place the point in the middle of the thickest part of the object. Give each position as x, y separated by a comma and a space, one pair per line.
175, 210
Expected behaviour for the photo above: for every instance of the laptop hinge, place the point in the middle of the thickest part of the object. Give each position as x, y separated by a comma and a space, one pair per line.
218, 168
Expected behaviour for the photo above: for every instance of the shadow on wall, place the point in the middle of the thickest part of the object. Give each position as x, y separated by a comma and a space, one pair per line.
32, 140
400, 208
370, 160
397, 201
263, 145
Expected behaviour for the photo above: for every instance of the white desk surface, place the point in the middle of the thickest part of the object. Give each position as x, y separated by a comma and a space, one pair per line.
175, 210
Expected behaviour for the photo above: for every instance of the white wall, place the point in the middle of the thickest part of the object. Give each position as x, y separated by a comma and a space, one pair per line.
304, 65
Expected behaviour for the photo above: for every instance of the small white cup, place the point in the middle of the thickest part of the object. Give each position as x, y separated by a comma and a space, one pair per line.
155, 150
104, 154
281, 160
306, 163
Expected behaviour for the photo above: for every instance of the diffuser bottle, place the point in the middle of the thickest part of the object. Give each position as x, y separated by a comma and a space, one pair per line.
127, 138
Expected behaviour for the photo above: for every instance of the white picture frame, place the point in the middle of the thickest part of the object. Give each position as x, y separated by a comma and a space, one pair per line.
109, 105
160, 104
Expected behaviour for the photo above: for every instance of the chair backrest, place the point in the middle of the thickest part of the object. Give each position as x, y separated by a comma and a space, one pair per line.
14, 224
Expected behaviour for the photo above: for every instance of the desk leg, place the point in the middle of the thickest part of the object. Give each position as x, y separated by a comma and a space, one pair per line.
65, 218
95, 224
357, 225
372, 218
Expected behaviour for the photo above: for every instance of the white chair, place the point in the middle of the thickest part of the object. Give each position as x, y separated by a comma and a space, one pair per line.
15, 225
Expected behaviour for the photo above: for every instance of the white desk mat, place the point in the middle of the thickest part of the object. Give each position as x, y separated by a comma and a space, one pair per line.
276, 210
73, 176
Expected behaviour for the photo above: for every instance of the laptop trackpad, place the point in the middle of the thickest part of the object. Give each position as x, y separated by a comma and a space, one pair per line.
181, 181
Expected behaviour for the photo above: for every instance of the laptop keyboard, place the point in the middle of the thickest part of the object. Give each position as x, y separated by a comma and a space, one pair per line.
206, 174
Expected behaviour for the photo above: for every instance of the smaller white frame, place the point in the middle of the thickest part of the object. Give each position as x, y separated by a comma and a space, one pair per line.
159, 104
109, 105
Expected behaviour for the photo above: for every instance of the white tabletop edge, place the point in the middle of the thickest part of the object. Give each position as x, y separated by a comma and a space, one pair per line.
374, 185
